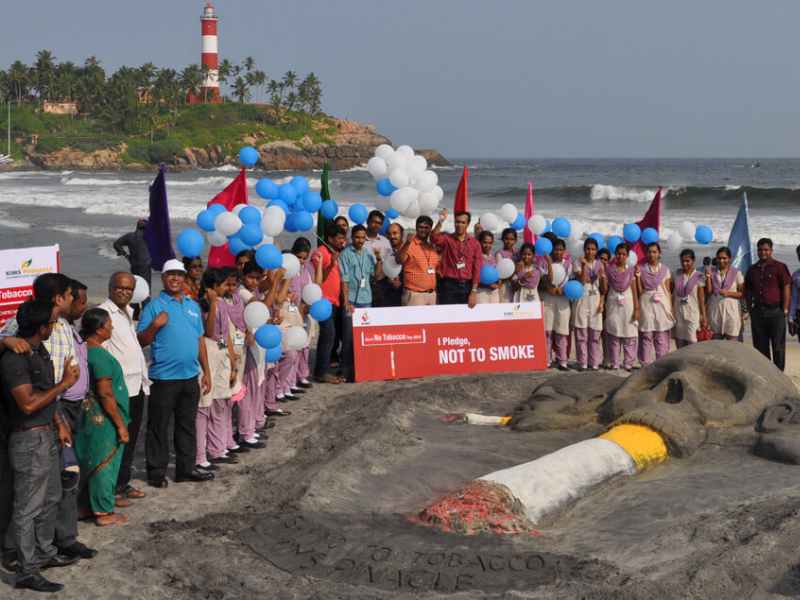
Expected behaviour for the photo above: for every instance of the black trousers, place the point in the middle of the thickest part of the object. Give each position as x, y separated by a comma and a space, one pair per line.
178, 397
6, 503
67, 509
135, 411
769, 329
454, 291
384, 294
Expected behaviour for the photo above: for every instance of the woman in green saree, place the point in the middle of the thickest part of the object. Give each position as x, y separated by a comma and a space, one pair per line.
102, 421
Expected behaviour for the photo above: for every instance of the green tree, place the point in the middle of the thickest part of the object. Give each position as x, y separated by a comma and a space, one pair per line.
225, 69
249, 63
289, 80
191, 80
240, 90
18, 80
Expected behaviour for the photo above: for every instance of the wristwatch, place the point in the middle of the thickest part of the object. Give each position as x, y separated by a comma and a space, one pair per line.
474, 290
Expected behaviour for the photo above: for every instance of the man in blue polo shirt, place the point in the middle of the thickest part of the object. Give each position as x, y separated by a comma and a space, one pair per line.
171, 325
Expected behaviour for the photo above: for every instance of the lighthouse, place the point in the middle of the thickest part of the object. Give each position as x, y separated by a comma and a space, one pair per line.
210, 90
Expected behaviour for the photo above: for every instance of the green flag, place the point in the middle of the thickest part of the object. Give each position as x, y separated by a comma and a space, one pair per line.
322, 222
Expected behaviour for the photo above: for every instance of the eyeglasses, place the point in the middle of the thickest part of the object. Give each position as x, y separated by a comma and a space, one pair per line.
121, 288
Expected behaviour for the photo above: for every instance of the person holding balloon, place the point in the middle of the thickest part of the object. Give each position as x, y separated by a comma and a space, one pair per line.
556, 305
509, 239
488, 293
656, 318
621, 307
587, 309
305, 296
285, 372
461, 261
525, 280
327, 255
419, 259
724, 289
239, 335
689, 301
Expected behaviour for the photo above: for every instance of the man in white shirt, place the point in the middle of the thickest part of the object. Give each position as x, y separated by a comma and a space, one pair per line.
124, 346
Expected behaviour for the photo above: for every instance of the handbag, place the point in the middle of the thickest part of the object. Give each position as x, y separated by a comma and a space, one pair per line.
70, 471
704, 334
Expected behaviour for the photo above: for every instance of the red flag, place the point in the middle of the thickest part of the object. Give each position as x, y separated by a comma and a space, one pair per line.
652, 218
235, 193
527, 234
461, 193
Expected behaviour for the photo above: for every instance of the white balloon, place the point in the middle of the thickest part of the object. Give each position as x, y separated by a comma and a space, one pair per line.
419, 162
216, 239
489, 221
384, 151
383, 203
575, 249
675, 241
428, 202
268, 239
505, 268
376, 167
632, 259
400, 200
238, 208
311, 293
686, 229
427, 181
399, 178
397, 161
273, 220
406, 151
294, 338
256, 314
413, 210
438, 193
141, 291
537, 224
292, 266
577, 231
227, 223
559, 274
391, 268
508, 212
414, 172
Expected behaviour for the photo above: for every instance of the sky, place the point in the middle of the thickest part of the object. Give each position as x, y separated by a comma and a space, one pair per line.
472, 79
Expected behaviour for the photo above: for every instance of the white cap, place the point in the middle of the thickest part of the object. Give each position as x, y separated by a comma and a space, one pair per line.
173, 265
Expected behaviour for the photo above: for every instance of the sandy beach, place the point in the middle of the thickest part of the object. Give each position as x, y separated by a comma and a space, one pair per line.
323, 512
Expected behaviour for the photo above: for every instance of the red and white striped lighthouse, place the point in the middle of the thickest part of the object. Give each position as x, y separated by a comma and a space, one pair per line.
210, 90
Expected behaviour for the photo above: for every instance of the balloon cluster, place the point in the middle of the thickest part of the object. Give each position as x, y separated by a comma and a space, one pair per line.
686, 231
404, 182
291, 206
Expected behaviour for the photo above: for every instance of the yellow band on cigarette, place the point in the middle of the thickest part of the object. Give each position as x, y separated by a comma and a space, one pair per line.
646, 447
504, 420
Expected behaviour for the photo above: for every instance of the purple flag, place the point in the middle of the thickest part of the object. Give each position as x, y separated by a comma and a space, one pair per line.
157, 232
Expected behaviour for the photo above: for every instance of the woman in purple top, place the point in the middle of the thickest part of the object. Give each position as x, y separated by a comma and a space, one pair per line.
296, 286
794, 302
621, 307
689, 301
527, 276
656, 318
509, 239
724, 290
488, 294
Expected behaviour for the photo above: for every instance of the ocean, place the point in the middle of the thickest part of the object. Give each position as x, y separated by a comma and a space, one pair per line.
85, 212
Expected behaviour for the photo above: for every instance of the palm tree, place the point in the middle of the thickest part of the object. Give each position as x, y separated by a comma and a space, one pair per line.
260, 79
289, 79
206, 69
291, 101
224, 71
18, 79
147, 73
276, 107
240, 90
191, 80
249, 63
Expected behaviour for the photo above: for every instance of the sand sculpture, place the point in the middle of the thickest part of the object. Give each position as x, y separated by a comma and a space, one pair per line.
667, 409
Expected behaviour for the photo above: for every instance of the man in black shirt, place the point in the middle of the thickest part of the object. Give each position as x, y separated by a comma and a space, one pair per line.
29, 394
134, 248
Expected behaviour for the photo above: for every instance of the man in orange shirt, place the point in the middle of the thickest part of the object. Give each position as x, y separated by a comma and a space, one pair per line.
328, 254
419, 259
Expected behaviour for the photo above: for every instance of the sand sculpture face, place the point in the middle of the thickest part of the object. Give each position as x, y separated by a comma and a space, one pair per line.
712, 384
780, 432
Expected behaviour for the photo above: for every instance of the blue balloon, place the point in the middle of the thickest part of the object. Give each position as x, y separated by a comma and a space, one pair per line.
205, 220
519, 223
573, 289
289, 224
251, 234
269, 256
236, 245
267, 189
312, 201
329, 209
562, 227
288, 193
248, 156
391, 213
300, 183
547, 227
268, 336
385, 187
321, 310
280, 203
631, 232
358, 213
217, 209
489, 275
599, 239
385, 226
251, 215
272, 355
190, 243
299, 205
703, 235
613, 242
543, 246
304, 221
649, 236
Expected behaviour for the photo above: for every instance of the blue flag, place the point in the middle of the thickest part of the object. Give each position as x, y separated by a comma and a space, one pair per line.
157, 232
739, 240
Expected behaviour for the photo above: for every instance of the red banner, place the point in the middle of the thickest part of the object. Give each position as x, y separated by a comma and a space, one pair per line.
400, 343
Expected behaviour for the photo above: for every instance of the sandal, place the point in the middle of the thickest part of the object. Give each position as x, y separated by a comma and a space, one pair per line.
329, 378
130, 492
123, 502
110, 519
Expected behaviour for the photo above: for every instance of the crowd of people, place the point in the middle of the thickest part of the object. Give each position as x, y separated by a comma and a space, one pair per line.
73, 396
